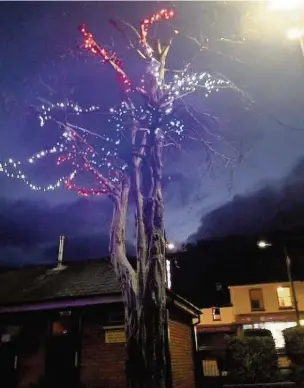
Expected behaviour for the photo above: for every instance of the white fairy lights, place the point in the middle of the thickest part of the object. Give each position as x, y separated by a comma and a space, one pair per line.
101, 154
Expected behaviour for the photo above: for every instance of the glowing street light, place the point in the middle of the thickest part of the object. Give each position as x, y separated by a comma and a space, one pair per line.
263, 244
170, 246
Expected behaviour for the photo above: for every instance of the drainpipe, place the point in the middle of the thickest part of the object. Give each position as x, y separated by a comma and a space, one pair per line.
168, 352
197, 359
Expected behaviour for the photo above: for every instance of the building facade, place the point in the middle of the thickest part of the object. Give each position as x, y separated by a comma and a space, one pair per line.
268, 306
63, 327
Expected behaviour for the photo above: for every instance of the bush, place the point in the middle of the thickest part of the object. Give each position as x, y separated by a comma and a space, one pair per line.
252, 359
294, 345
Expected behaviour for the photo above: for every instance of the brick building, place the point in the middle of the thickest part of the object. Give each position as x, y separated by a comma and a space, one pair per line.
64, 326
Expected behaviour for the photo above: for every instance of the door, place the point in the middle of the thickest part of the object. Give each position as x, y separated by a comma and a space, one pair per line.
62, 353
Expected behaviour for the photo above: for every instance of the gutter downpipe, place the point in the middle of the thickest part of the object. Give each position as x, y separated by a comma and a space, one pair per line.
168, 352
197, 360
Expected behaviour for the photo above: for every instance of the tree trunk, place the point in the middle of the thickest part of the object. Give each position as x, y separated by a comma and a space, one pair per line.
144, 292
127, 278
155, 303
154, 298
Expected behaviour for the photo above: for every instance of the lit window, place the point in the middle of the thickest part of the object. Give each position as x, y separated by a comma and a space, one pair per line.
256, 299
284, 297
216, 313
61, 327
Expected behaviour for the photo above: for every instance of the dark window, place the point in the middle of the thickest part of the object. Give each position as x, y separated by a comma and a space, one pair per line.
116, 317
256, 299
216, 313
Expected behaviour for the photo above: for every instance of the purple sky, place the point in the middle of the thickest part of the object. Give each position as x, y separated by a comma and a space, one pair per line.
40, 43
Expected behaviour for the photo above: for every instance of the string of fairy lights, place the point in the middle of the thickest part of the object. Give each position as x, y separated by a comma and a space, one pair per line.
101, 154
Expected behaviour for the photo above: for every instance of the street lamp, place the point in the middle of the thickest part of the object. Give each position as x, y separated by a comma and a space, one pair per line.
170, 246
264, 244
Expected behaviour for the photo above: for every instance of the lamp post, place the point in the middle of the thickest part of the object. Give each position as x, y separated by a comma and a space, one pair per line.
170, 247
264, 244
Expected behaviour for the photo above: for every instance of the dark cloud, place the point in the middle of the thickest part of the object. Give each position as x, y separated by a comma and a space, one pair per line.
30, 230
274, 206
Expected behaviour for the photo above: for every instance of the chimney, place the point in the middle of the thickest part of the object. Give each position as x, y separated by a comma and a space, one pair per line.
60, 251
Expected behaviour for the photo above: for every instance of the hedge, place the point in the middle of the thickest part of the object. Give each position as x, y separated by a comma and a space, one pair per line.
257, 333
294, 346
252, 359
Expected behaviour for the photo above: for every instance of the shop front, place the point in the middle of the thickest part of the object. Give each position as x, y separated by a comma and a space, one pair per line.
276, 323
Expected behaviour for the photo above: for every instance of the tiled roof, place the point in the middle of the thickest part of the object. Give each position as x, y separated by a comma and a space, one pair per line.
38, 284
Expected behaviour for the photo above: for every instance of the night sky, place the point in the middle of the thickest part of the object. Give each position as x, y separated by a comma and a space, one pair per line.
41, 58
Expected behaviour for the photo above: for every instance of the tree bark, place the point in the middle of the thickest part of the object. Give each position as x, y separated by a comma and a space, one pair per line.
154, 299
128, 281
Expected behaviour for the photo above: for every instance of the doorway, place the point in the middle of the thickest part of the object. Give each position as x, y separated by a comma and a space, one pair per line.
62, 364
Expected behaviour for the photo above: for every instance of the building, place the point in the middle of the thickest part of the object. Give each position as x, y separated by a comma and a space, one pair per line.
266, 306
64, 326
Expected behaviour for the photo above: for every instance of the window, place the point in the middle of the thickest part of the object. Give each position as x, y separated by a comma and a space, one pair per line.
284, 297
116, 317
256, 299
61, 327
216, 313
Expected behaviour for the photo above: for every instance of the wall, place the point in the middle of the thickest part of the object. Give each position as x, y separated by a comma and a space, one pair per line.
181, 350
102, 364
241, 302
227, 317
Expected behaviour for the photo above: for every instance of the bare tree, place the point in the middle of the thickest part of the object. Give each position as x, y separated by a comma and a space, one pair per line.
125, 158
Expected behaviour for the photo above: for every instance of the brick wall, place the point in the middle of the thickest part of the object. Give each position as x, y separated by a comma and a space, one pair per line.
102, 364
181, 349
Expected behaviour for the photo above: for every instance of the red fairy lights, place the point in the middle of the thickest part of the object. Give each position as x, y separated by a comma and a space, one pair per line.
102, 161
91, 45
164, 14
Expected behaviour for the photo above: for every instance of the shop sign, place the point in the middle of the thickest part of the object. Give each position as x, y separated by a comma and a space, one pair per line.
215, 329
262, 318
